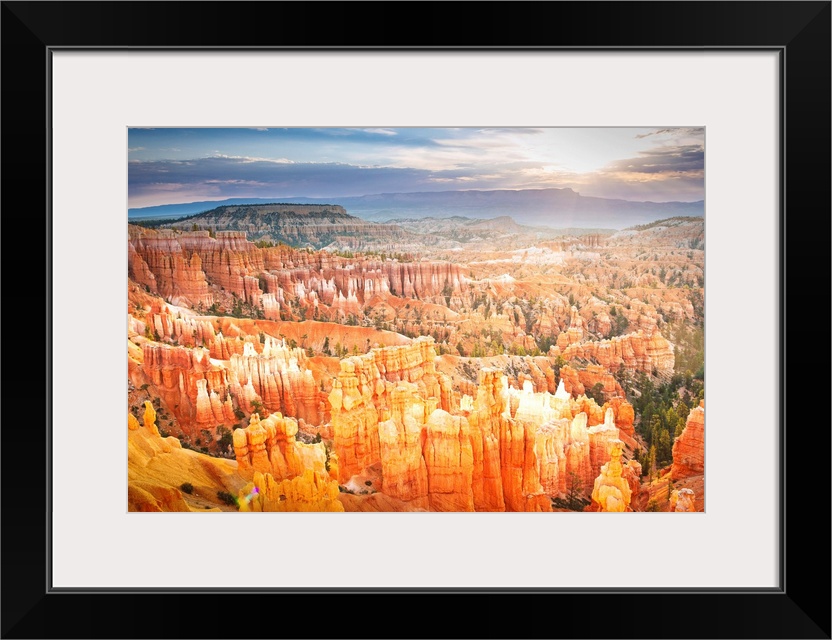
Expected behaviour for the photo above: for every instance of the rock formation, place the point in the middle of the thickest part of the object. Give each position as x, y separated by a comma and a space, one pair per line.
449, 461
601, 437
631, 472
297, 224
611, 491
624, 416
640, 351
180, 327
362, 396
269, 446
404, 471
279, 379
156, 259
195, 390
488, 413
311, 491
227, 260
689, 447
208, 386
575, 333
595, 374
193, 268
683, 500
355, 422
484, 459
489, 424
157, 467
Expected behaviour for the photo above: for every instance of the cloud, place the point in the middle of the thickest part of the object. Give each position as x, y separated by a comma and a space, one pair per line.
523, 131
246, 159
679, 132
661, 165
251, 177
250, 183
680, 159
673, 173
226, 176
474, 143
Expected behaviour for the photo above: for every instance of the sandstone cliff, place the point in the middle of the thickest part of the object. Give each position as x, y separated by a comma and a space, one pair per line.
401, 439
362, 397
269, 446
502, 450
689, 447
611, 491
683, 500
157, 259
279, 378
157, 467
298, 224
189, 384
640, 351
311, 491
207, 379
194, 268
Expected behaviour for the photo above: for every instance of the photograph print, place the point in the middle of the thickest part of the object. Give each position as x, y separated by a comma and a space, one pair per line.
391, 319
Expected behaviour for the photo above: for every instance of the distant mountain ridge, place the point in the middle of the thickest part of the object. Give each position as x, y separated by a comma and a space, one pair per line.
547, 207
316, 225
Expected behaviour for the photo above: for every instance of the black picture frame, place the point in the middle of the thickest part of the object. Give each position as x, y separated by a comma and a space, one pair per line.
800, 608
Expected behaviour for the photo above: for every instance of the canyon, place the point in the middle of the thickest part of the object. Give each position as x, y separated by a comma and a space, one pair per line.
276, 364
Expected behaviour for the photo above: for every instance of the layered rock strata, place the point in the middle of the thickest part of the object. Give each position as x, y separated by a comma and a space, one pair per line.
269, 446
279, 379
611, 491
157, 467
182, 267
689, 447
158, 260
683, 500
362, 396
504, 449
641, 351
207, 386
311, 491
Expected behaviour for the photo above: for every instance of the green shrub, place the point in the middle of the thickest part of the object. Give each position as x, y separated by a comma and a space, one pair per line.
226, 439
227, 498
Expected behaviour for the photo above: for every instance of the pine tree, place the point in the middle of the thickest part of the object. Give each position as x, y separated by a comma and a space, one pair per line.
576, 487
665, 450
651, 461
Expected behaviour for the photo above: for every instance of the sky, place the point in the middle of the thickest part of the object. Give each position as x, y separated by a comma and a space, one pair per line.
178, 165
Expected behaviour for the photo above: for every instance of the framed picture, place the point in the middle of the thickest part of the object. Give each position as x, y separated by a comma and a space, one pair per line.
752, 79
